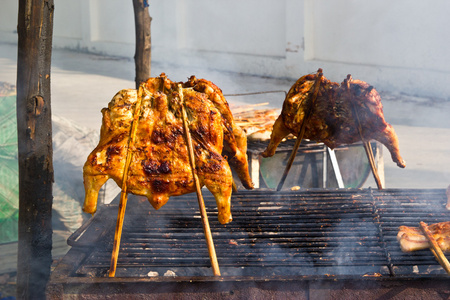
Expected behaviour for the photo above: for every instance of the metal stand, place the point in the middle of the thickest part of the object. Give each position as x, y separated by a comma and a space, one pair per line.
254, 167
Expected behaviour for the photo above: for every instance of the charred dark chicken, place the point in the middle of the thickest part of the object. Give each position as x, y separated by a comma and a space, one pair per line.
160, 164
332, 120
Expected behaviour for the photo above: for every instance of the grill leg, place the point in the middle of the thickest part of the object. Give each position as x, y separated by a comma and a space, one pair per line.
254, 168
380, 161
324, 167
337, 171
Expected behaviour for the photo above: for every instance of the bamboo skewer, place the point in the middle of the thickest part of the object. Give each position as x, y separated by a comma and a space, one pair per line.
234, 187
302, 128
201, 203
435, 249
123, 194
366, 144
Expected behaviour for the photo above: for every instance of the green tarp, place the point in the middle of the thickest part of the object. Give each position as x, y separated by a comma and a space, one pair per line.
9, 178
71, 146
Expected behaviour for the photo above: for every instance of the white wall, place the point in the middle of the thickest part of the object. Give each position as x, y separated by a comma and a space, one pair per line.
396, 45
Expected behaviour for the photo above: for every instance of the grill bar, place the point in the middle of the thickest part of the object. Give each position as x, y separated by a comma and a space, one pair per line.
390, 265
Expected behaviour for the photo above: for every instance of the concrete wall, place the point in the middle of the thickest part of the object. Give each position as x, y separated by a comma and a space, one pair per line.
396, 45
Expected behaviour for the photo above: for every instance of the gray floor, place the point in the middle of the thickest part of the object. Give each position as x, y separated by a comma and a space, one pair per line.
84, 83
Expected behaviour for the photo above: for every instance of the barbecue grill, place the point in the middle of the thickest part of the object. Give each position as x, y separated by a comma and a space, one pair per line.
291, 244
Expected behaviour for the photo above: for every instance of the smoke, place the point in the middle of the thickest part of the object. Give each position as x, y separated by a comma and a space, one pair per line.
355, 244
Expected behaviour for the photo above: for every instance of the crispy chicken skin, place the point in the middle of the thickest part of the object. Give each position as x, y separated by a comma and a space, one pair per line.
160, 163
412, 238
332, 121
235, 146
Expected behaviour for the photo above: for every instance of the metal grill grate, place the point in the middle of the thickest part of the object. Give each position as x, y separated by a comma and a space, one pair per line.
311, 232
408, 207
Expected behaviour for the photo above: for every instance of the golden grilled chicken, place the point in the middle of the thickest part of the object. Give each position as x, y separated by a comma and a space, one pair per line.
160, 163
235, 139
333, 121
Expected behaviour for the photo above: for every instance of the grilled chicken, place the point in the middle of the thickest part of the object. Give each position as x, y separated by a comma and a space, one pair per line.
333, 121
412, 238
235, 139
160, 163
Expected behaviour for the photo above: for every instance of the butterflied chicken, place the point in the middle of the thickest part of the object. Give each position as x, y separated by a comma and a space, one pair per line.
332, 120
159, 165
412, 238
235, 140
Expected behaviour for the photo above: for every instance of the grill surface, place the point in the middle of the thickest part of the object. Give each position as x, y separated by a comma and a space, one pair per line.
302, 233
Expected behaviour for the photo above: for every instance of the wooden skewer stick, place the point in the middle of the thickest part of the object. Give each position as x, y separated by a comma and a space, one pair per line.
366, 144
123, 194
201, 203
435, 249
302, 128
234, 187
